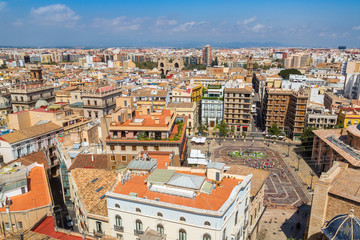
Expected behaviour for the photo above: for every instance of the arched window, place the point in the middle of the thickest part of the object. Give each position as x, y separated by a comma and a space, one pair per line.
159, 214
206, 237
117, 205
182, 219
207, 223
138, 210
118, 221
236, 217
139, 226
160, 229
182, 234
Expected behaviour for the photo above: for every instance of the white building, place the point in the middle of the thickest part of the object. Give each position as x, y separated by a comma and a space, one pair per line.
352, 89
212, 105
180, 204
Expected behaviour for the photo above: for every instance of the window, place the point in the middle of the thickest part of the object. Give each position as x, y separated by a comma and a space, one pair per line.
112, 158
98, 227
119, 236
138, 210
118, 221
224, 234
117, 205
182, 234
134, 148
236, 217
139, 225
182, 219
7, 226
125, 103
206, 237
159, 214
207, 223
95, 103
160, 229
88, 102
96, 114
145, 148
123, 158
112, 147
156, 148
123, 148
20, 225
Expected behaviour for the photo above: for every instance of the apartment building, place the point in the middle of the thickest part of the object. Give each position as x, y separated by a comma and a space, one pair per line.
131, 131
100, 101
191, 111
285, 108
336, 145
41, 137
237, 108
25, 197
207, 55
59, 113
297, 61
349, 116
321, 120
351, 86
177, 203
24, 97
181, 95
212, 105
333, 102
157, 99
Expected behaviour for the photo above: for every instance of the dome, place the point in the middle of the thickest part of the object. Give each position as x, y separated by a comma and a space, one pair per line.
341, 227
4, 102
41, 102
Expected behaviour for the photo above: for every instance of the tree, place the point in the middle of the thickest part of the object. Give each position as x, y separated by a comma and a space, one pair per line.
223, 128
3, 66
286, 73
274, 130
307, 138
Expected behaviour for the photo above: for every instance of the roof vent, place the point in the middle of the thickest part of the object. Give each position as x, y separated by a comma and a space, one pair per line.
157, 199
144, 197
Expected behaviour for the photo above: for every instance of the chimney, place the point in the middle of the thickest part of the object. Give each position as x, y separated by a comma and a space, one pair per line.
92, 157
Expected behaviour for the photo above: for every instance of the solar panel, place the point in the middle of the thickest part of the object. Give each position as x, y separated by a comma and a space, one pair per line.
99, 189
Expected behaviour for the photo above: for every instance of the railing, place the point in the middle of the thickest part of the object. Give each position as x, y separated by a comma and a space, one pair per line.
118, 228
138, 232
99, 234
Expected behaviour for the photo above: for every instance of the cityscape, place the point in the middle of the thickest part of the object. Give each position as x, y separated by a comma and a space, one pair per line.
153, 120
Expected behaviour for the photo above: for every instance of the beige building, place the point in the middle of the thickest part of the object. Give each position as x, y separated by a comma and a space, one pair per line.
237, 108
24, 97
335, 193
72, 120
191, 111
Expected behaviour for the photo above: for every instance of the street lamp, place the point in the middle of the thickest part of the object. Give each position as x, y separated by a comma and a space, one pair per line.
298, 166
312, 175
288, 153
208, 153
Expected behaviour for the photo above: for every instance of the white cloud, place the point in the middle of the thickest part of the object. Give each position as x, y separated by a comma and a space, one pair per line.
258, 27
57, 14
162, 21
247, 21
356, 28
187, 26
118, 24
3, 5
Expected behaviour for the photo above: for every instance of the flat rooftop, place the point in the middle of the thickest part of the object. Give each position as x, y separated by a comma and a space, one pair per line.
213, 201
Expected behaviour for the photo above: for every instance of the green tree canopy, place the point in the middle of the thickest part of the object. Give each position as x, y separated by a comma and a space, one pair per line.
223, 128
274, 130
146, 65
307, 138
286, 73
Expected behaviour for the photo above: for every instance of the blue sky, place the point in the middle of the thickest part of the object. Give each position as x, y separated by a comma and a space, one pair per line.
312, 23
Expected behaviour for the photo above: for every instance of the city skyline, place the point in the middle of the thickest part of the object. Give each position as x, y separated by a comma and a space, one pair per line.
179, 24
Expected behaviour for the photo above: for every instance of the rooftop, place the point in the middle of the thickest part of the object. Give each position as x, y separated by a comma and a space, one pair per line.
347, 185
38, 194
92, 184
95, 161
203, 200
30, 132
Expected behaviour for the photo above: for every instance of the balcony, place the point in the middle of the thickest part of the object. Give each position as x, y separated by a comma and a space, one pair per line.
98, 234
118, 228
138, 232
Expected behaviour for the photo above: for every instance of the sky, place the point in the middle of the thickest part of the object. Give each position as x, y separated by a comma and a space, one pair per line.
117, 23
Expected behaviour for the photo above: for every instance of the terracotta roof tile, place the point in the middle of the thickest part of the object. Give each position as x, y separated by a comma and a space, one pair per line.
96, 161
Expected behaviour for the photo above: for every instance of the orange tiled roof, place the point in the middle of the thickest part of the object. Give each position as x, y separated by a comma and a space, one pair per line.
37, 196
213, 202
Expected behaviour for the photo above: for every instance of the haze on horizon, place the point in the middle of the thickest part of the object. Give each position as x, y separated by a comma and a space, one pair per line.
133, 23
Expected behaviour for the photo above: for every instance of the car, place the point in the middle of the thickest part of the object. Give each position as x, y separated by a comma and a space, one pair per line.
69, 222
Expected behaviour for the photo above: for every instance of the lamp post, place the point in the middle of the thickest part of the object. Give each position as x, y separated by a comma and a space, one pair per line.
288, 153
298, 166
208, 153
312, 175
